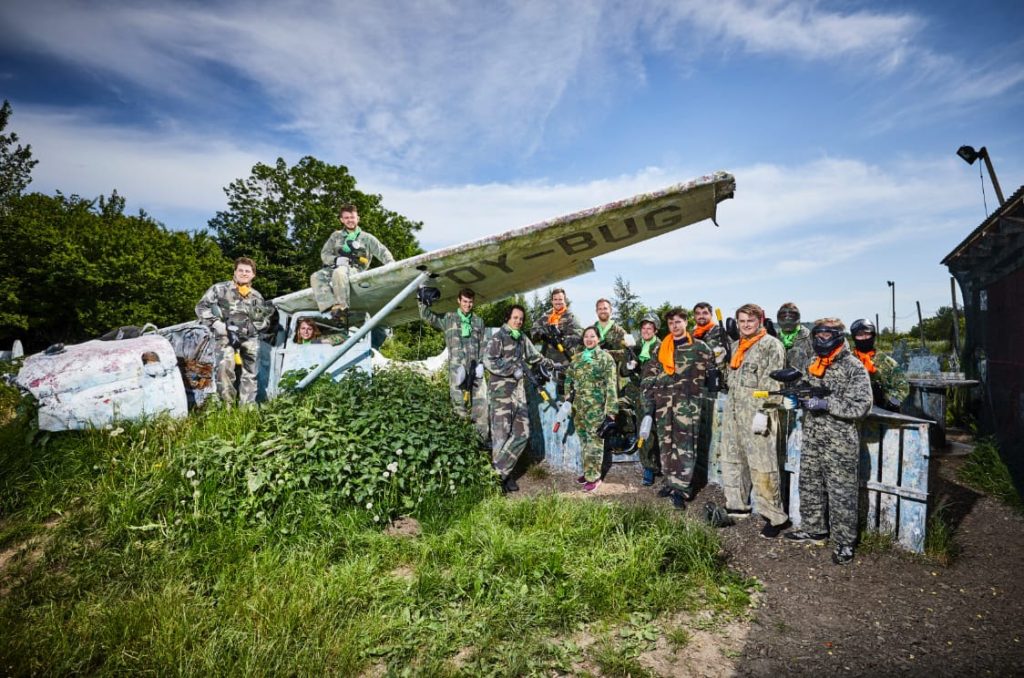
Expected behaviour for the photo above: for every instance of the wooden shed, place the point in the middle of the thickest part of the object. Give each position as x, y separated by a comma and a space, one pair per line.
989, 265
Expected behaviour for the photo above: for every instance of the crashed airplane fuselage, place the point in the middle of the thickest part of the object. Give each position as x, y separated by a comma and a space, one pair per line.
166, 372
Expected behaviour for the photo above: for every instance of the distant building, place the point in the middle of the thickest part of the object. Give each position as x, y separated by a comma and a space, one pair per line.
989, 265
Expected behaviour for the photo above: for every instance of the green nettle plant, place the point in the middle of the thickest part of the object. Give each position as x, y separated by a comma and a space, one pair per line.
384, 444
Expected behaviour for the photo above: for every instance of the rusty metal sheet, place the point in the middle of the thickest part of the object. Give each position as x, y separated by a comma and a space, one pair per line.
526, 258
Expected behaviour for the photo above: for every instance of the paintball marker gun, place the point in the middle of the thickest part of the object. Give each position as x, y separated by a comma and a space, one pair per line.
235, 341
646, 424
528, 372
564, 412
352, 257
553, 337
467, 378
793, 386
427, 295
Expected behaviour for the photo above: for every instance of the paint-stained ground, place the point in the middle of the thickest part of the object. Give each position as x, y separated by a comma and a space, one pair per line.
887, 613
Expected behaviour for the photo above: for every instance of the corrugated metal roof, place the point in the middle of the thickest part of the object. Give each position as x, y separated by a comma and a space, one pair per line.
1016, 201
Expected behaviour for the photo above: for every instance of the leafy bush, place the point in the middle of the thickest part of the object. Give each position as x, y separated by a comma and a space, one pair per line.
384, 444
984, 470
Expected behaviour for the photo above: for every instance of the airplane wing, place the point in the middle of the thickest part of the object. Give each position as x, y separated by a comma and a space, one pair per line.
534, 256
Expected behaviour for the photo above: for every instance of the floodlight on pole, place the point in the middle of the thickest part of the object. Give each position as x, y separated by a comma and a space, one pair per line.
969, 155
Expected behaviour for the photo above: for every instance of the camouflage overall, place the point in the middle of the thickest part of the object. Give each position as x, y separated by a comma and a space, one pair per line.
677, 401
223, 306
633, 397
750, 460
330, 284
594, 387
509, 416
464, 352
829, 454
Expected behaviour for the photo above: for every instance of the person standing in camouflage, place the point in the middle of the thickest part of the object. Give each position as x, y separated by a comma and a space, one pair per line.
705, 328
674, 390
591, 379
613, 336
748, 451
712, 334
507, 357
889, 386
829, 455
559, 332
464, 338
347, 251
236, 313
795, 337
639, 363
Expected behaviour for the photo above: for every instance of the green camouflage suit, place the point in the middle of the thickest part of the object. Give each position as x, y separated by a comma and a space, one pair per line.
506, 395
613, 341
713, 337
220, 307
594, 385
800, 350
330, 283
568, 326
710, 408
829, 453
464, 351
750, 459
635, 396
889, 386
676, 399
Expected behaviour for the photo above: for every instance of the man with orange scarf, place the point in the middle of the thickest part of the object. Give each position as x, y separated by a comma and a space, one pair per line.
558, 329
889, 385
748, 452
673, 387
830, 449
704, 327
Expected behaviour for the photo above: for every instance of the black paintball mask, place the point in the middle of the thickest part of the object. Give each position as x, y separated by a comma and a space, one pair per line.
788, 318
860, 326
825, 339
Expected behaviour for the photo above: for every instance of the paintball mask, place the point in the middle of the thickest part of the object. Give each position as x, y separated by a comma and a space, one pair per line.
428, 295
861, 326
825, 339
788, 317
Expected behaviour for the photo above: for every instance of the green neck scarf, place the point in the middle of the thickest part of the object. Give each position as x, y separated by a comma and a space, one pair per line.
645, 349
515, 333
601, 331
349, 237
788, 339
467, 322
588, 355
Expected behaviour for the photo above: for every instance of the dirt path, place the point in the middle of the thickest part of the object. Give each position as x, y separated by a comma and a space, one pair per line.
887, 613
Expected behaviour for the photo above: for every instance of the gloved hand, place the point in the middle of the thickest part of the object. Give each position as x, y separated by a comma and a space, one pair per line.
460, 375
719, 352
518, 373
629, 341
341, 262
790, 402
479, 372
814, 404
219, 328
759, 426
631, 365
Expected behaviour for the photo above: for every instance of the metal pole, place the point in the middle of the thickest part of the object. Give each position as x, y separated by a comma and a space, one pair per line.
992, 174
877, 326
362, 331
892, 284
920, 324
956, 317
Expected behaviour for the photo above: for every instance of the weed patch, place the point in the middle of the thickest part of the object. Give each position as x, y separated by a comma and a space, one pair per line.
984, 470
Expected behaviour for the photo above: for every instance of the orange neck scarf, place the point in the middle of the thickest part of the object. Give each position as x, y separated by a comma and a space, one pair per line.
556, 316
243, 290
745, 344
867, 358
667, 352
700, 330
818, 367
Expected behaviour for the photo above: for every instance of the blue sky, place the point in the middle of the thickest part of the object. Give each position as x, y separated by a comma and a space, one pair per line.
839, 120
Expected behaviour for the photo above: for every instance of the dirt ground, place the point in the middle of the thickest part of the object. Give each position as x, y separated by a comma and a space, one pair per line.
889, 612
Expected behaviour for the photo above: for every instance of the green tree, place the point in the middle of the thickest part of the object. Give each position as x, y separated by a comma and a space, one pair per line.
940, 326
73, 269
281, 216
493, 314
16, 162
626, 305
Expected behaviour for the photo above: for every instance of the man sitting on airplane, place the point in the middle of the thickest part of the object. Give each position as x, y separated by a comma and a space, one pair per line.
347, 250
236, 313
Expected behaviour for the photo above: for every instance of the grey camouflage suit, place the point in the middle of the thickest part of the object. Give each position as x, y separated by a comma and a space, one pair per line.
330, 284
463, 351
801, 351
221, 306
829, 454
677, 401
636, 397
750, 460
594, 385
509, 416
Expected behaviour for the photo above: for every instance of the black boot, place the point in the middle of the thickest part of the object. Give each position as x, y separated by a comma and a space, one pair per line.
510, 485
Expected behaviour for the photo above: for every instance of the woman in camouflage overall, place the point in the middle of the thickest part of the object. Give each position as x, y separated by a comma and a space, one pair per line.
591, 378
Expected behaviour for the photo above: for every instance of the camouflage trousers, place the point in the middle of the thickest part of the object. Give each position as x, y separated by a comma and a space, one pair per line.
330, 287
591, 445
829, 457
678, 424
631, 415
751, 462
476, 411
247, 385
510, 432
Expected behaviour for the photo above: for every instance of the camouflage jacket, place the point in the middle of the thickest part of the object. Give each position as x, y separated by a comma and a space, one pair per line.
365, 245
501, 358
568, 326
250, 314
714, 337
643, 367
849, 387
691, 361
461, 350
761, 359
594, 385
801, 352
613, 340
889, 385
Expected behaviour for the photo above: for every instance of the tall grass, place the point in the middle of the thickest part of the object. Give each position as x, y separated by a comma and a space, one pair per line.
984, 470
